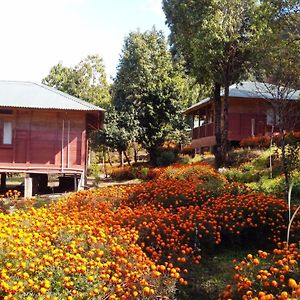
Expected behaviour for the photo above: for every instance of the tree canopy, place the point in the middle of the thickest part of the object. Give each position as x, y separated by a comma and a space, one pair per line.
149, 84
217, 39
119, 132
86, 80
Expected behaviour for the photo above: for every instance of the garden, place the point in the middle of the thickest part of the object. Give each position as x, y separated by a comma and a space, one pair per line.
184, 232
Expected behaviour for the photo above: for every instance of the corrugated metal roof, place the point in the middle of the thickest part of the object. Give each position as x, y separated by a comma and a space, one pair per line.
248, 89
23, 94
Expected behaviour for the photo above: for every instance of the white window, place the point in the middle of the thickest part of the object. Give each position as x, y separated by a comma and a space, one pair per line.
270, 117
7, 133
196, 121
253, 127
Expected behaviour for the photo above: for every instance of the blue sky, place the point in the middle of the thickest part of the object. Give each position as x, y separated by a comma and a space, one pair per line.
37, 34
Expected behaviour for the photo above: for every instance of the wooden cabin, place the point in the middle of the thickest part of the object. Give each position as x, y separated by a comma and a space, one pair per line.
250, 114
44, 131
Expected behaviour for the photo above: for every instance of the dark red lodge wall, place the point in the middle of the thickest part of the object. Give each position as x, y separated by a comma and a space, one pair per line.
40, 137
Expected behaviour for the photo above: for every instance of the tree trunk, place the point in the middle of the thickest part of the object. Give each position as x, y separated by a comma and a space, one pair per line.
135, 152
270, 158
224, 147
153, 156
218, 128
121, 157
284, 164
104, 163
108, 156
127, 158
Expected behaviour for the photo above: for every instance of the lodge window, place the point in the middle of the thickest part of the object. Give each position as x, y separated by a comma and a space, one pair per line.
272, 117
7, 133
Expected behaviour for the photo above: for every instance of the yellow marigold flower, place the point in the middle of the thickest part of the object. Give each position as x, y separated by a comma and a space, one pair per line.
292, 283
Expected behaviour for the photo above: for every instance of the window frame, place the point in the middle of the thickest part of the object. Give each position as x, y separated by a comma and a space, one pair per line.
7, 118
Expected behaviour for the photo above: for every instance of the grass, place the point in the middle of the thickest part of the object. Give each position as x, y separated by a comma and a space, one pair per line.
208, 279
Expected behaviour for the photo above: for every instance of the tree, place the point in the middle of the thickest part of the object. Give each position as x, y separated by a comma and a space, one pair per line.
279, 68
216, 38
148, 84
119, 132
87, 80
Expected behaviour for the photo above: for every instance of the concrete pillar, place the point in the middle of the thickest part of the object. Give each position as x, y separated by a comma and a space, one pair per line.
3, 181
35, 182
75, 183
81, 182
28, 186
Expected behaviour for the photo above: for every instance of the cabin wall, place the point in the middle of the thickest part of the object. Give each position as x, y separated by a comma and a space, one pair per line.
45, 138
246, 117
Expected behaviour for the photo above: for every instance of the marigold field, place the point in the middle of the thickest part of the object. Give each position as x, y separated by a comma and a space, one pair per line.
137, 242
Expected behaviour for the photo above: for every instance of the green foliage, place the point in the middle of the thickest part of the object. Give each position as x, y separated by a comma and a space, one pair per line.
213, 35
87, 80
256, 173
94, 170
209, 279
131, 172
166, 158
236, 175
119, 132
237, 157
279, 49
150, 86
217, 40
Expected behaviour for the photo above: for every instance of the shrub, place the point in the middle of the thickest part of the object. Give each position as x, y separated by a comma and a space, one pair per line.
241, 156
208, 178
166, 158
267, 275
68, 251
261, 142
188, 150
122, 173
236, 175
251, 219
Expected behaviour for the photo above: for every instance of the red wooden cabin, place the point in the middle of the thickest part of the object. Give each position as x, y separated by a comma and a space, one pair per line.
250, 114
44, 131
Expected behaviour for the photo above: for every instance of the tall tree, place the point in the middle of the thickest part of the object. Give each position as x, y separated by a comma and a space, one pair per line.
87, 80
216, 38
279, 67
148, 83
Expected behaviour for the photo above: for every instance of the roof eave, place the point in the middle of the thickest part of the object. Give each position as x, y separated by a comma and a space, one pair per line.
53, 108
196, 106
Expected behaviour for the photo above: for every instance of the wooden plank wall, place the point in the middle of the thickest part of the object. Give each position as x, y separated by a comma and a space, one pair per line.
43, 137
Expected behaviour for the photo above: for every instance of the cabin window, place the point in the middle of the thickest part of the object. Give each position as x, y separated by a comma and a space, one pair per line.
253, 127
7, 133
196, 121
270, 117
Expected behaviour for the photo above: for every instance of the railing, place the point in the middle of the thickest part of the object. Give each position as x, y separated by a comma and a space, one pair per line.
203, 131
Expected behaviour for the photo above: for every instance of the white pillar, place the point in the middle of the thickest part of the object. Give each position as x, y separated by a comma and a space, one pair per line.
28, 187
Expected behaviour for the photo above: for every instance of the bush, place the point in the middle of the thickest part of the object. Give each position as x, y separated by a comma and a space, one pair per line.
122, 173
251, 219
267, 275
70, 251
241, 156
188, 150
236, 175
166, 158
261, 142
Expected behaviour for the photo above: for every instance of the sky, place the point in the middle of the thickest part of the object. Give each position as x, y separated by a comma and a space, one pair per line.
38, 34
